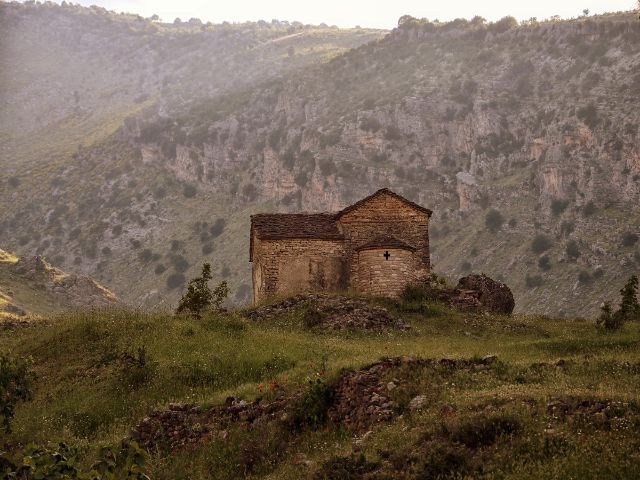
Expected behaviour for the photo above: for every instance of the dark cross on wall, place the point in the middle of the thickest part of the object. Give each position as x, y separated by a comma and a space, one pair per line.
386, 255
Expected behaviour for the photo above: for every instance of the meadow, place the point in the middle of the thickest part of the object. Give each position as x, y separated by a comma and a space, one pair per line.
99, 373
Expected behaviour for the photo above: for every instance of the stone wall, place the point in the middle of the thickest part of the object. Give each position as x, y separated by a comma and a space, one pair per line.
387, 215
283, 267
381, 276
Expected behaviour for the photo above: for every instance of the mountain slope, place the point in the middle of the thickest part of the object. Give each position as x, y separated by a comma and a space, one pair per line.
523, 139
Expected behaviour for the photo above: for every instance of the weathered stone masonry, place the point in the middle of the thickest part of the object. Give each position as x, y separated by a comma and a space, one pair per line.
376, 246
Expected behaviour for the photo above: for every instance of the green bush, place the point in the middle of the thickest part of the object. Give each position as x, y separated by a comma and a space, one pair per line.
544, 263
175, 280
540, 243
217, 228
311, 410
589, 115
589, 209
558, 206
572, 250
493, 220
533, 281
584, 277
60, 462
15, 386
629, 239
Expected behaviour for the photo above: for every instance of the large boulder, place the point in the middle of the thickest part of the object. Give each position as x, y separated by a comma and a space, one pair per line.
493, 296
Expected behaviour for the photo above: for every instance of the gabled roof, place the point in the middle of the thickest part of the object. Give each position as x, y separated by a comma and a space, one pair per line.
386, 241
383, 191
277, 226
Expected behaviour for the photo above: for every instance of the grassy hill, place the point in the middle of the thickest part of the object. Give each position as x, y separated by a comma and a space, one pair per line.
559, 400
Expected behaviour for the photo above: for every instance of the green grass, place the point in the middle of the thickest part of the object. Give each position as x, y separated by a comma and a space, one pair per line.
83, 396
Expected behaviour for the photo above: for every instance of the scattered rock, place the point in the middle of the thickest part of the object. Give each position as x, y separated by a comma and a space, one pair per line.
417, 402
489, 359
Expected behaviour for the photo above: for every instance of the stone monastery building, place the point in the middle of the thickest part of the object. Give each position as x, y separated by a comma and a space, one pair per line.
375, 246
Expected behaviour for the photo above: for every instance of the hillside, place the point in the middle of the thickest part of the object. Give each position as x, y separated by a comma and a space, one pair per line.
523, 139
31, 288
238, 394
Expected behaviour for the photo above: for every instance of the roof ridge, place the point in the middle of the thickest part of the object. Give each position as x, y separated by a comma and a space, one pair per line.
378, 192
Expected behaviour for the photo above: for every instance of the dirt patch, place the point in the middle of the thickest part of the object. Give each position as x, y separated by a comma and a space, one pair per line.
332, 313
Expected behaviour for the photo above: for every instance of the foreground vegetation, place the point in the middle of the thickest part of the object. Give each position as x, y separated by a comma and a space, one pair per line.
98, 374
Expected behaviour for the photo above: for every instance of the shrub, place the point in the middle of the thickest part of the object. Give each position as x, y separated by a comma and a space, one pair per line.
584, 277
533, 281
558, 206
311, 410
160, 269
199, 296
540, 243
544, 263
250, 191
14, 182
629, 239
61, 462
145, 255
207, 248
572, 250
175, 280
217, 228
189, 191
179, 263
15, 387
136, 369
589, 115
493, 220
607, 319
465, 267
589, 209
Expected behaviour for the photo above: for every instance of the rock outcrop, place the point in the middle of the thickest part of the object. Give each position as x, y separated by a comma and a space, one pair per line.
493, 296
31, 286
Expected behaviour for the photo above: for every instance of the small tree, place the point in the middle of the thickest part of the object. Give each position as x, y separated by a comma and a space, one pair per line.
629, 306
607, 319
15, 386
199, 296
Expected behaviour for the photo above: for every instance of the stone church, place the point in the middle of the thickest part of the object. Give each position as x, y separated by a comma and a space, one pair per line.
376, 246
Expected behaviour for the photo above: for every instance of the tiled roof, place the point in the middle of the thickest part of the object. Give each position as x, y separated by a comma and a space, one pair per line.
386, 241
274, 226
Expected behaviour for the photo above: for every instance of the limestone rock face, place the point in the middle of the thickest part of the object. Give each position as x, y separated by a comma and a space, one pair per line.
493, 296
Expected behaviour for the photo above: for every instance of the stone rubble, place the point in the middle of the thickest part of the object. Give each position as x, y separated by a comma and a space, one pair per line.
360, 399
333, 313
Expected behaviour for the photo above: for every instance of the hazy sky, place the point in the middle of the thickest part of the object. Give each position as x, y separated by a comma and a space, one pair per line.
348, 13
